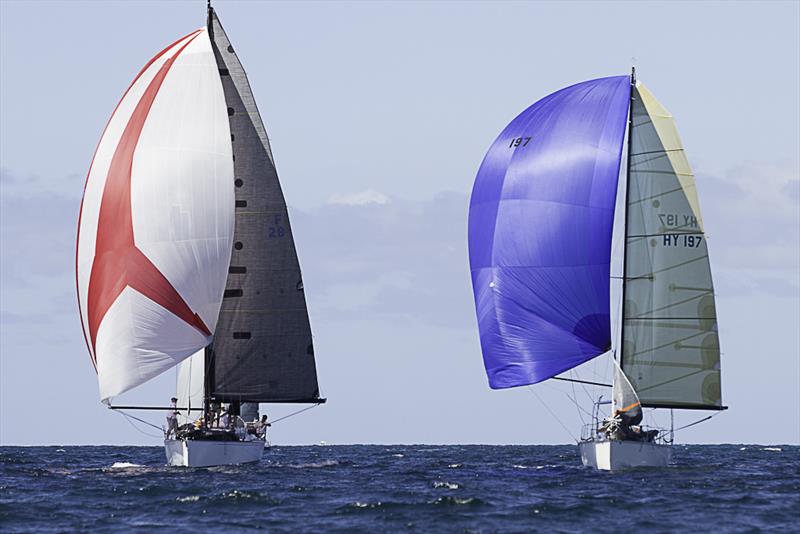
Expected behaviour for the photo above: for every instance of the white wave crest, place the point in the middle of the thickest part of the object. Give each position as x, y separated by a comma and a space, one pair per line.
518, 466
324, 463
124, 465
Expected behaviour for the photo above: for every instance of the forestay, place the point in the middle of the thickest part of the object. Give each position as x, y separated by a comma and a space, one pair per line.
156, 225
540, 225
670, 346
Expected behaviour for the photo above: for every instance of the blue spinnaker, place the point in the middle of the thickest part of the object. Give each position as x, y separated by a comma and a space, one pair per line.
540, 225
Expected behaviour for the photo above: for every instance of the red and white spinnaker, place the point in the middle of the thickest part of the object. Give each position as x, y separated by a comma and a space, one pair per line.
157, 220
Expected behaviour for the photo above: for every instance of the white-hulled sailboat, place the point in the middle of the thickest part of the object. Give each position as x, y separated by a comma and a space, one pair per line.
540, 235
185, 255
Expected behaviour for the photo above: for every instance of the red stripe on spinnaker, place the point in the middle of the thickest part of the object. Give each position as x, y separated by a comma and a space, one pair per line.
90, 347
118, 262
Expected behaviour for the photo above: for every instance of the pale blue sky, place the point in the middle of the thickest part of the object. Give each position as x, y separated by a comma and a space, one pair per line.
380, 114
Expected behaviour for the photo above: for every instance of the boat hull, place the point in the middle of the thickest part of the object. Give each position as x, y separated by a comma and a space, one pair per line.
614, 455
199, 453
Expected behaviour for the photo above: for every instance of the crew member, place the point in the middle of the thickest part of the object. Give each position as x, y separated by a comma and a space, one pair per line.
261, 427
223, 418
172, 418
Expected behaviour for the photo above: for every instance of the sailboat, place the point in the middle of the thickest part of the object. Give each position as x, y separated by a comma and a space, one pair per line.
185, 256
541, 224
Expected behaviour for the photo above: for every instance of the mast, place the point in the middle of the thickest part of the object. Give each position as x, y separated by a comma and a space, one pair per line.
625, 223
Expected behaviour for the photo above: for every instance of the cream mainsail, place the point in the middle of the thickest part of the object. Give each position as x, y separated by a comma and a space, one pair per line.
670, 344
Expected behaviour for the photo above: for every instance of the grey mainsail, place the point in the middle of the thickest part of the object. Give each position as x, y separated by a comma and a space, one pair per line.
262, 349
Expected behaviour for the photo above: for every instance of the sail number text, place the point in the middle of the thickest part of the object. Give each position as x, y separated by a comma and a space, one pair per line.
674, 220
690, 241
519, 141
276, 230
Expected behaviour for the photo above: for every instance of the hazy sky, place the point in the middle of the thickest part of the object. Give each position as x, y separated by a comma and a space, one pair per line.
379, 115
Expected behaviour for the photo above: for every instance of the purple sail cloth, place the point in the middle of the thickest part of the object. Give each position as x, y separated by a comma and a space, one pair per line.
540, 224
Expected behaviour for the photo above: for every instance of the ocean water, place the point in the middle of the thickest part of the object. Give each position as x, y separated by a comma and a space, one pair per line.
414, 488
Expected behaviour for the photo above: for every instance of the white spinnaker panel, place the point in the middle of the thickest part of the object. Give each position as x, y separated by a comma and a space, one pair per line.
124, 357
189, 390
671, 348
181, 205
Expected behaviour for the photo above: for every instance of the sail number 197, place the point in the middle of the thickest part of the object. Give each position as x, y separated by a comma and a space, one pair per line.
519, 141
690, 241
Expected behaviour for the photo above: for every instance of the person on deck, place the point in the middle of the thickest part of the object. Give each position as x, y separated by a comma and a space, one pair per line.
213, 415
172, 418
223, 418
621, 426
261, 427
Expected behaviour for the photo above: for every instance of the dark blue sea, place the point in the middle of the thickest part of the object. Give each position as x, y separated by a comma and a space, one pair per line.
413, 488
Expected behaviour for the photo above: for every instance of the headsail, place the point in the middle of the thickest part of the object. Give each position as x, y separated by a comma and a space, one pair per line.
624, 398
670, 343
263, 349
540, 225
156, 225
190, 389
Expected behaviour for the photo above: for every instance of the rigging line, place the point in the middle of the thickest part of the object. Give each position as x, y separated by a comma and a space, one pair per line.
553, 414
128, 419
586, 391
579, 407
293, 414
574, 399
581, 381
698, 421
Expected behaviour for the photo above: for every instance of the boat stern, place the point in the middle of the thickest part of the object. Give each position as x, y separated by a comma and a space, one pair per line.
614, 455
204, 453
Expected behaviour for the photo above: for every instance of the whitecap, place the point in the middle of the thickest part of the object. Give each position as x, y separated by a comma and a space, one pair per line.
124, 465
324, 463
398, 455
60, 450
446, 485
518, 466
359, 504
776, 449
455, 466
190, 498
